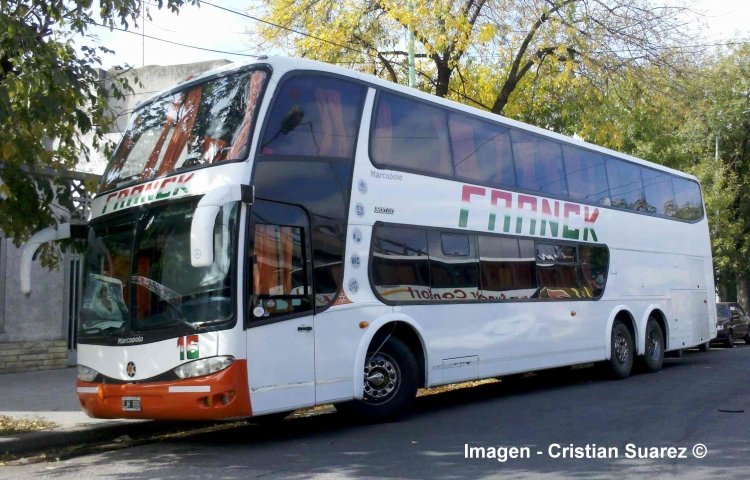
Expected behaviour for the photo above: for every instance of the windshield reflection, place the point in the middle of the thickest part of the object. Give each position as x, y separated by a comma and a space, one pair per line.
139, 278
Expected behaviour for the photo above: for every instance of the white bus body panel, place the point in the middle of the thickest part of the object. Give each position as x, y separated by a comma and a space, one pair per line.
150, 359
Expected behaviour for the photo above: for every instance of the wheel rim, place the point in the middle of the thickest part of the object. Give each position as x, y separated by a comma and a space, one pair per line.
653, 345
622, 349
382, 378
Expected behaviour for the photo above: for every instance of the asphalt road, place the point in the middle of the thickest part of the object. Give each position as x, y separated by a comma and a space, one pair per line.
702, 398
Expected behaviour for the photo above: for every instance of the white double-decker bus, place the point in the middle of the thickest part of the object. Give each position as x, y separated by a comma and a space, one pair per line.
287, 233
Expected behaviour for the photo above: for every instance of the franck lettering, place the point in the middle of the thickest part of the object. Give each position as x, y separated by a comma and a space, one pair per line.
130, 340
386, 176
147, 193
522, 214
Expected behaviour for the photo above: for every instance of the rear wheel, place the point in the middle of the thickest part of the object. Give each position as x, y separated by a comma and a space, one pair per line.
653, 358
704, 347
621, 348
390, 382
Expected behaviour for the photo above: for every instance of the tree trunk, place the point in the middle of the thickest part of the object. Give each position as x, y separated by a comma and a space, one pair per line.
742, 291
443, 78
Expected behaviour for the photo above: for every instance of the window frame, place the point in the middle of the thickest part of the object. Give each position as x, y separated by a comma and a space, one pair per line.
248, 263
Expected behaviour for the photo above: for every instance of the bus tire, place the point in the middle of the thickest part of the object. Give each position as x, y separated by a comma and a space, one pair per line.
390, 383
653, 357
621, 347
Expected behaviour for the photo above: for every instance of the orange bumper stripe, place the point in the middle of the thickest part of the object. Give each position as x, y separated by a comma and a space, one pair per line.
221, 395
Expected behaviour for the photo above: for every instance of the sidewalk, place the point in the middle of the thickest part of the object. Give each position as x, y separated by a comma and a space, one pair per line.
50, 395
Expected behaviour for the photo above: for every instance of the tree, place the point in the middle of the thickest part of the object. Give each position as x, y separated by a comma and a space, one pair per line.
718, 130
482, 51
50, 98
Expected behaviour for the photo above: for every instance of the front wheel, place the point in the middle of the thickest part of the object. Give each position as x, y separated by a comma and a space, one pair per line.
621, 356
746, 338
653, 358
730, 339
390, 382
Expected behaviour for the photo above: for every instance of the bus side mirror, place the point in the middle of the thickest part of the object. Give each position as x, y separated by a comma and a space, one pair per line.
49, 234
204, 218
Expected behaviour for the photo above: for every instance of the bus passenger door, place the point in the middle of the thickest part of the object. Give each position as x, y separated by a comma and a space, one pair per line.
279, 320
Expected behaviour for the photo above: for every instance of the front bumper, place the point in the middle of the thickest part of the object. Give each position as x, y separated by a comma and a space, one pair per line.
224, 394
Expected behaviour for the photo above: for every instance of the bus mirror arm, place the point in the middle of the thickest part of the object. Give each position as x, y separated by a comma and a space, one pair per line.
202, 226
49, 234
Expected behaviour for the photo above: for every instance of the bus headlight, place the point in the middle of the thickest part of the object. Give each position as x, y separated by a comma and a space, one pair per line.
86, 374
204, 366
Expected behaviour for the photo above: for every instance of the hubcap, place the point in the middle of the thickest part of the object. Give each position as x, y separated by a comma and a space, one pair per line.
621, 349
653, 348
382, 378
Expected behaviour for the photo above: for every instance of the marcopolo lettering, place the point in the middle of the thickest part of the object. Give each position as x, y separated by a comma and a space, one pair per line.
522, 214
148, 192
386, 176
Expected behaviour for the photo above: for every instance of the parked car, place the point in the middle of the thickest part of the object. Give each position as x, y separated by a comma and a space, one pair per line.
731, 323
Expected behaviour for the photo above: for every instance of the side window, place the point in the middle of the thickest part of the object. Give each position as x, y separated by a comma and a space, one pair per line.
538, 163
453, 267
280, 264
481, 150
687, 196
586, 175
400, 264
625, 185
657, 187
506, 273
557, 271
594, 267
410, 135
314, 116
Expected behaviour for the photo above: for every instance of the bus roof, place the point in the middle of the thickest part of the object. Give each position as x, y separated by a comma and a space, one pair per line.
282, 65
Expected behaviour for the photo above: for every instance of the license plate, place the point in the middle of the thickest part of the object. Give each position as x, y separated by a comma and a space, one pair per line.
131, 404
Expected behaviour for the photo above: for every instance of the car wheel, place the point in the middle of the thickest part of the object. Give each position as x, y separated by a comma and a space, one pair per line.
730, 339
653, 357
704, 347
746, 338
621, 351
390, 383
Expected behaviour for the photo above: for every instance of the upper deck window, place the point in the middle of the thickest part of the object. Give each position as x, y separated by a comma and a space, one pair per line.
539, 165
481, 150
203, 124
410, 135
314, 116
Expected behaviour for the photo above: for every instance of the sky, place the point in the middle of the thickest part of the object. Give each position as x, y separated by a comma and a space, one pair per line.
211, 28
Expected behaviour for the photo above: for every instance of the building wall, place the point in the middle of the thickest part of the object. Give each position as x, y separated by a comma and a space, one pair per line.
33, 328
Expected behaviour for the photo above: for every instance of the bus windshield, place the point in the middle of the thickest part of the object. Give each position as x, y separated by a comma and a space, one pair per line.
203, 124
138, 276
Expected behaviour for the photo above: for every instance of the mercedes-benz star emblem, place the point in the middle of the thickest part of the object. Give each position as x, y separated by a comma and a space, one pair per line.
131, 369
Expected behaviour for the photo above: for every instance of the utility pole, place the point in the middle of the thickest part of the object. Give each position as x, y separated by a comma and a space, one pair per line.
143, 33
410, 48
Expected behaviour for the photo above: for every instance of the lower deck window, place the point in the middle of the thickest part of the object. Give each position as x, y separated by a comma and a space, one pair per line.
411, 264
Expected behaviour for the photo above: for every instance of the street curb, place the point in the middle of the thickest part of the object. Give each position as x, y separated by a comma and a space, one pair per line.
40, 442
